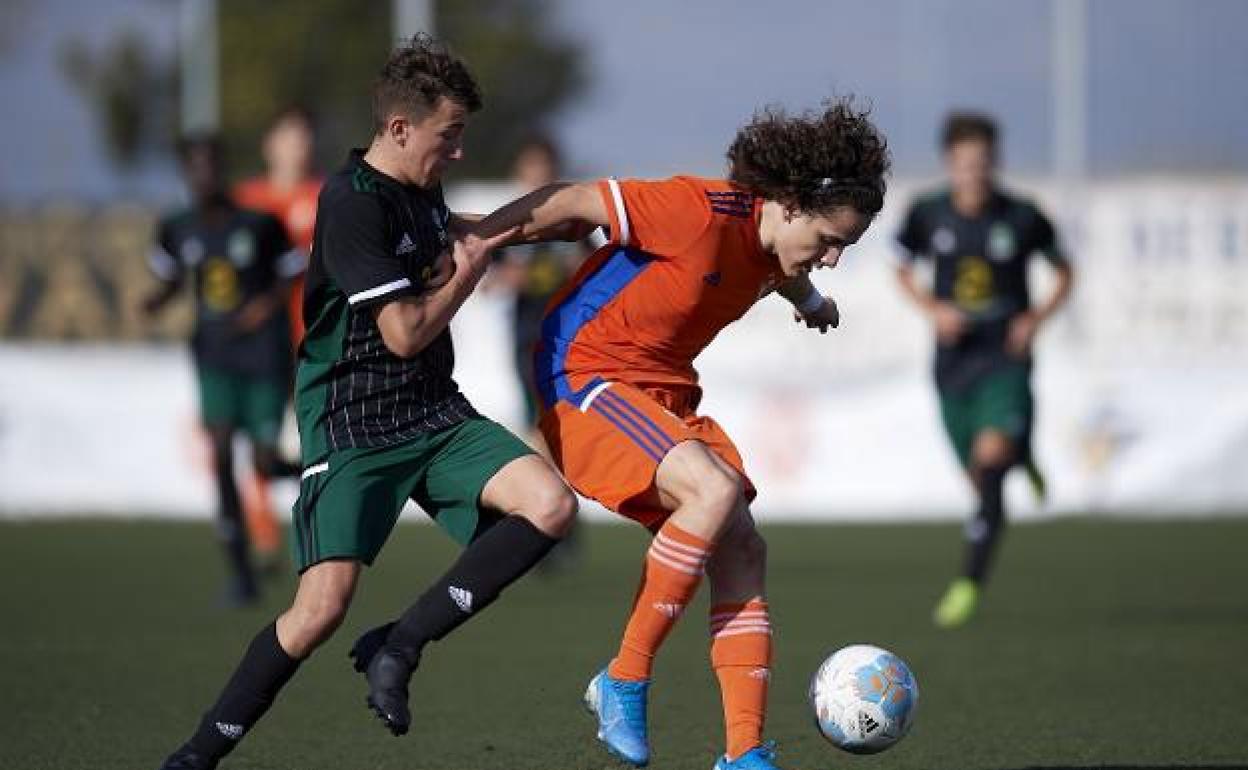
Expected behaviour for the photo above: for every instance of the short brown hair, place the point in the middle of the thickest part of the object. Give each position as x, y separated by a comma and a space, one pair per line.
418, 74
963, 126
815, 161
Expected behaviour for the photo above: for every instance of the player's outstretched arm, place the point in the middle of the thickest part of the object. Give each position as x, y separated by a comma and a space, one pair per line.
409, 324
950, 323
1025, 325
155, 300
564, 211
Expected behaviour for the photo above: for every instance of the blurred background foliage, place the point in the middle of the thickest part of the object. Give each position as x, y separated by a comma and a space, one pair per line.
323, 54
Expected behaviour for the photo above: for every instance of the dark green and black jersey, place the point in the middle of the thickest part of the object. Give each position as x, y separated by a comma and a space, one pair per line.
376, 240
232, 256
981, 267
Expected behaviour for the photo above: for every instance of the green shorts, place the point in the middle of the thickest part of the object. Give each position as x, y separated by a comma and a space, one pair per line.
349, 502
255, 404
1000, 400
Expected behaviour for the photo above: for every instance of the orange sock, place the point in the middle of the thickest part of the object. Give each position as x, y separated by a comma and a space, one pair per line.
258, 515
741, 657
670, 577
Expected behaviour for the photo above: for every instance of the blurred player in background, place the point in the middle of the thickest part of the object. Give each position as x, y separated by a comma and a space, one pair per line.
288, 191
240, 264
533, 272
687, 257
381, 420
980, 238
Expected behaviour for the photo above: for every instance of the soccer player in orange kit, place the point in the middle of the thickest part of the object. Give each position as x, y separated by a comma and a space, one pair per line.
614, 369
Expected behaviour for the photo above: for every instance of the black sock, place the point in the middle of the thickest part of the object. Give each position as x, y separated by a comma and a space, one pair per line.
230, 528
983, 532
489, 564
263, 671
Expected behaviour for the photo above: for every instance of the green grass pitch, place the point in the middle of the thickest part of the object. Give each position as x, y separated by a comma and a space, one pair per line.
1100, 644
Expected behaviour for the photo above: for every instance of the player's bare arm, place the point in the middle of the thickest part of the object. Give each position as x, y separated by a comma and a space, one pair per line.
409, 324
564, 211
155, 301
950, 322
1024, 326
260, 308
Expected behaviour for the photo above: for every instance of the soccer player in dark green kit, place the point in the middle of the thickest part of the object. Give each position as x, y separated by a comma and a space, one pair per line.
240, 264
380, 418
980, 239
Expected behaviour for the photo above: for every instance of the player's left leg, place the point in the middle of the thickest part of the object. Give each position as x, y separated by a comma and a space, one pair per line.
509, 507
740, 628
1002, 415
264, 406
270, 660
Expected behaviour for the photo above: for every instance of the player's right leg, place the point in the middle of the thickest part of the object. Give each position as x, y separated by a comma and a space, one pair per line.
231, 530
320, 603
221, 412
621, 447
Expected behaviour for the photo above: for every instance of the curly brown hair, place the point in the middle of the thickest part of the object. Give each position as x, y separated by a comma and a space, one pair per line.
418, 74
815, 161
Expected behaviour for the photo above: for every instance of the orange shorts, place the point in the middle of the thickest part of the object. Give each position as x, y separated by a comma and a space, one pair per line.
609, 446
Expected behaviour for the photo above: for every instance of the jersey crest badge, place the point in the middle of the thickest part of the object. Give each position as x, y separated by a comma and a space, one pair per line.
1000, 242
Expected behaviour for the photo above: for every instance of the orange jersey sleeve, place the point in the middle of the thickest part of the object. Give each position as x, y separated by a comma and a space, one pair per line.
661, 217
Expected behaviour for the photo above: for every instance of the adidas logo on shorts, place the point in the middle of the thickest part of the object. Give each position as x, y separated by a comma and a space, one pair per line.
462, 598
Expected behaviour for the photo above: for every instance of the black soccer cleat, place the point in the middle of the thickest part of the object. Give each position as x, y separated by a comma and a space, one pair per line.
367, 645
185, 759
388, 674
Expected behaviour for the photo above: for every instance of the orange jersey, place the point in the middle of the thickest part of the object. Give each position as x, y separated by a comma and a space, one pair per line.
683, 262
296, 208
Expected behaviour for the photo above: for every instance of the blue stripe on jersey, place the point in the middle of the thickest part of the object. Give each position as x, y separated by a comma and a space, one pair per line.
637, 418
733, 211
560, 326
640, 439
652, 429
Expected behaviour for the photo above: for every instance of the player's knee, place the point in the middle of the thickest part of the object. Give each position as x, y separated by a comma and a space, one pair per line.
745, 550
322, 617
992, 449
719, 493
553, 509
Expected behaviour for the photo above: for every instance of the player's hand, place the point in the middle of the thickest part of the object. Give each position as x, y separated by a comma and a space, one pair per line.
439, 273
827, 316
254, 314
1022, 334
950, 323
471, 252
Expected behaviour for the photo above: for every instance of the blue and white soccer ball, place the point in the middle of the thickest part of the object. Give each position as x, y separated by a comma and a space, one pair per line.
864, 698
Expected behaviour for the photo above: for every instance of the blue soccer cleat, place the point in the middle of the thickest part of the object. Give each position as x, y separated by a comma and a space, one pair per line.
621, 710
757, 758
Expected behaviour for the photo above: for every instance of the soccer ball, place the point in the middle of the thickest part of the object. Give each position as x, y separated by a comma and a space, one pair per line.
863, 698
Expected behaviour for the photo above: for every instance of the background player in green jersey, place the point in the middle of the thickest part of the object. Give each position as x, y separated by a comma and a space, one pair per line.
980, 239
239, 263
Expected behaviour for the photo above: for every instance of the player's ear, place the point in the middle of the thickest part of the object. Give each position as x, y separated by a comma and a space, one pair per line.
397, 127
